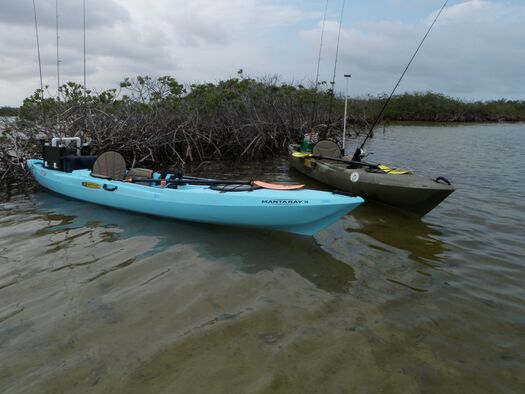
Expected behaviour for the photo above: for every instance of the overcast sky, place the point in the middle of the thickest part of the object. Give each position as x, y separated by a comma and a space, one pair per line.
476, 50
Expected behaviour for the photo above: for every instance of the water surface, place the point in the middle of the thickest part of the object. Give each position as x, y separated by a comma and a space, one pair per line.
100, 300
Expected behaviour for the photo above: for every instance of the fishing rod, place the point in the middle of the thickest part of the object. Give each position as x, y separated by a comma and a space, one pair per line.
84, 17
58, 68
359, 150
335, 63
85, 93
214, 182
58, 54
202, 182
314, 109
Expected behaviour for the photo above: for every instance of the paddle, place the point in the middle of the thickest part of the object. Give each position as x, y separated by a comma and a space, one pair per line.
312, 156
211, 182
382, 167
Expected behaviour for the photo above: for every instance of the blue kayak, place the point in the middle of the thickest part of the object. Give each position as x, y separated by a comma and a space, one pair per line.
297, 211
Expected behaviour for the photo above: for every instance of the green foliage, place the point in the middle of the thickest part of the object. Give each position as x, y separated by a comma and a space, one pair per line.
246, 96
235, 117
9, 111
431, 107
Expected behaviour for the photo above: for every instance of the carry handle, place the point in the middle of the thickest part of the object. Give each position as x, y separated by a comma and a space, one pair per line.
109, 188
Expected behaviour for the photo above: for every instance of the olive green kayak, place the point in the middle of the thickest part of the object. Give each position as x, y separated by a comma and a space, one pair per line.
399, 188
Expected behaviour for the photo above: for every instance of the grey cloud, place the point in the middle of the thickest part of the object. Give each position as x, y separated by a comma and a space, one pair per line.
99, 13
201, 22
474, 52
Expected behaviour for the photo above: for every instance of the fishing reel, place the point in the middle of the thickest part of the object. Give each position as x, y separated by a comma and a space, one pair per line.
364, 153
360, 154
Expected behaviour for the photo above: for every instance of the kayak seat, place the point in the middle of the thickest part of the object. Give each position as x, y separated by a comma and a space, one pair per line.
109, 165
140, 173
327, 149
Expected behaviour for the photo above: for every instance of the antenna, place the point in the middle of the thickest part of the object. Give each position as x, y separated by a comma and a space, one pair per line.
85, 93
335, 63
40, 68
58, 54
321, 46
314, 109
84, 9
347, 77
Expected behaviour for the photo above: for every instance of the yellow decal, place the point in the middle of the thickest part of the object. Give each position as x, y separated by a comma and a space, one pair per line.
307, 163
91, 185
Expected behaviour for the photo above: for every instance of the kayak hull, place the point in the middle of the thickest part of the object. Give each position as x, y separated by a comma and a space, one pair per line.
302, 212
410, 192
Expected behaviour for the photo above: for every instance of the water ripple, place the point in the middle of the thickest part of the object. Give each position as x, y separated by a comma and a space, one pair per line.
99, 300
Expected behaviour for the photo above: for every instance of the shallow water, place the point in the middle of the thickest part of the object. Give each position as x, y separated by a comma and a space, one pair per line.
100, 300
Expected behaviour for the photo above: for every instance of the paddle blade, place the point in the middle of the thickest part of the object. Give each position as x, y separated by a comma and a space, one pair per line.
275, 186
301, 154
394, 171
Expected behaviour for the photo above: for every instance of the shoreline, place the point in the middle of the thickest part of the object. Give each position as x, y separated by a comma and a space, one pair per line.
446, 123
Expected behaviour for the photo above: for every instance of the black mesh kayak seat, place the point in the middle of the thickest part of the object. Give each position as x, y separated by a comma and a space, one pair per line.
109, 165
327, 149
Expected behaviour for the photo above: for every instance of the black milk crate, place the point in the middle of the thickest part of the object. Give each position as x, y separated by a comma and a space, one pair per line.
54, 155
72, 163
